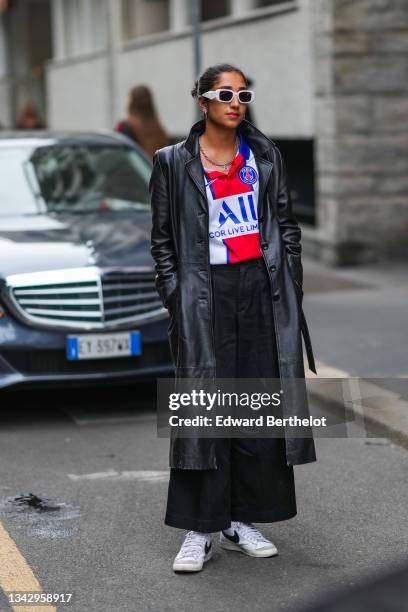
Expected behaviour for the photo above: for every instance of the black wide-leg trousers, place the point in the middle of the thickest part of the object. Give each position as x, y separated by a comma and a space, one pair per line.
252, 482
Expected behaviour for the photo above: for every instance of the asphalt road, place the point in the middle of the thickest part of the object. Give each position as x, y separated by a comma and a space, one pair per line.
357, 318
95, 528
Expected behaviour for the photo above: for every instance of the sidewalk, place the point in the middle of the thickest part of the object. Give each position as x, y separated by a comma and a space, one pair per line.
358, 324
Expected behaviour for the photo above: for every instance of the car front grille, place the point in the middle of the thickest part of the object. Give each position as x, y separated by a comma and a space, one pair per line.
88, 298
126, 295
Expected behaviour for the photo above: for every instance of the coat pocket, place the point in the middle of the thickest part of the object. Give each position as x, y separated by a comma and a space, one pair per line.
296, 274
172, 305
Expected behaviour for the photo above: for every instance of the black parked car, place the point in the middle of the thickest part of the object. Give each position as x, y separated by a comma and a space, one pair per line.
77, 294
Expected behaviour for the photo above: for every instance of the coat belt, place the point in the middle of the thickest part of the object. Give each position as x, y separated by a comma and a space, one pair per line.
308, 344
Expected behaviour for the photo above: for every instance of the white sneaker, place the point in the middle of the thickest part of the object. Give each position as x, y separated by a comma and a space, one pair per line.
194, 552
245, 538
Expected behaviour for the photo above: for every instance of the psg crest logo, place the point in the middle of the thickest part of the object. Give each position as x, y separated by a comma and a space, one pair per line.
248, 175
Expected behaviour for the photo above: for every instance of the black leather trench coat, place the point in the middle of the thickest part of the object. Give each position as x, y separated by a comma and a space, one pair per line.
180, 249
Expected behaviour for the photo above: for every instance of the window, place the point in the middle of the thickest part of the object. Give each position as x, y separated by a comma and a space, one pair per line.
77, 178
74, 34
211, 9
299, 159
99, 26
263, 3
140, 17
80, 27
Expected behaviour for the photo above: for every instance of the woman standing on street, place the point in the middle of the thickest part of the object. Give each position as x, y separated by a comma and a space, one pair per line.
235, 305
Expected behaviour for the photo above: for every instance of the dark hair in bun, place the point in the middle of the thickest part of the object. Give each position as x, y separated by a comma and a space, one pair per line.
210, 75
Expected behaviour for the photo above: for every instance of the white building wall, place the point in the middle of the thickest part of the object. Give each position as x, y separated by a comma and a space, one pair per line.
159, 67
77, 94
5, 111
276, 53
272, 47
4, 82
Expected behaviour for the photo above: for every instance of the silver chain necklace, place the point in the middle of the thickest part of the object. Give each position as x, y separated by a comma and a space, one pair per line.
227, 164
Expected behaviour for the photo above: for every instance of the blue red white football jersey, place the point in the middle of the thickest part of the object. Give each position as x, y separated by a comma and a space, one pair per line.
232, 206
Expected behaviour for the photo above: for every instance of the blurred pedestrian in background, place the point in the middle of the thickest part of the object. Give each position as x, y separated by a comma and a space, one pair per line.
29, 119
142, 124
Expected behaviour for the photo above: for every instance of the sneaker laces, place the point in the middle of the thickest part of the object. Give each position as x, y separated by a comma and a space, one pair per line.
192, 546
250, 532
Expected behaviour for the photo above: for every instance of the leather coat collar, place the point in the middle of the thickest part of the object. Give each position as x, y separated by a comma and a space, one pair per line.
257, 141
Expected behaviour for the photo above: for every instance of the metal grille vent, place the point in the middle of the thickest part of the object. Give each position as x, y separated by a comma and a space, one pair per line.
128, 295
87, 297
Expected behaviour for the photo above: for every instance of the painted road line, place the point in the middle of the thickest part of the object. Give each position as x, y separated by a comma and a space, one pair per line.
87, 417
16, 575
139, 475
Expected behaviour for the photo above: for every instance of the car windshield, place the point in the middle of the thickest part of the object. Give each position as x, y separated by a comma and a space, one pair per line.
76, 178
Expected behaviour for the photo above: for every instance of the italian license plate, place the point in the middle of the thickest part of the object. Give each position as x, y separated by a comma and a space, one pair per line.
102, 346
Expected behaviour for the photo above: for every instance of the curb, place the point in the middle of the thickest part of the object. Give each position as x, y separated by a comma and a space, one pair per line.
370, 404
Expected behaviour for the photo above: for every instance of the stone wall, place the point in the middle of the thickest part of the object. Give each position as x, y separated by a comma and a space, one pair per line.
361, 117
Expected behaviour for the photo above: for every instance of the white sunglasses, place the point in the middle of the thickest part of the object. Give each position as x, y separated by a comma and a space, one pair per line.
245, 96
